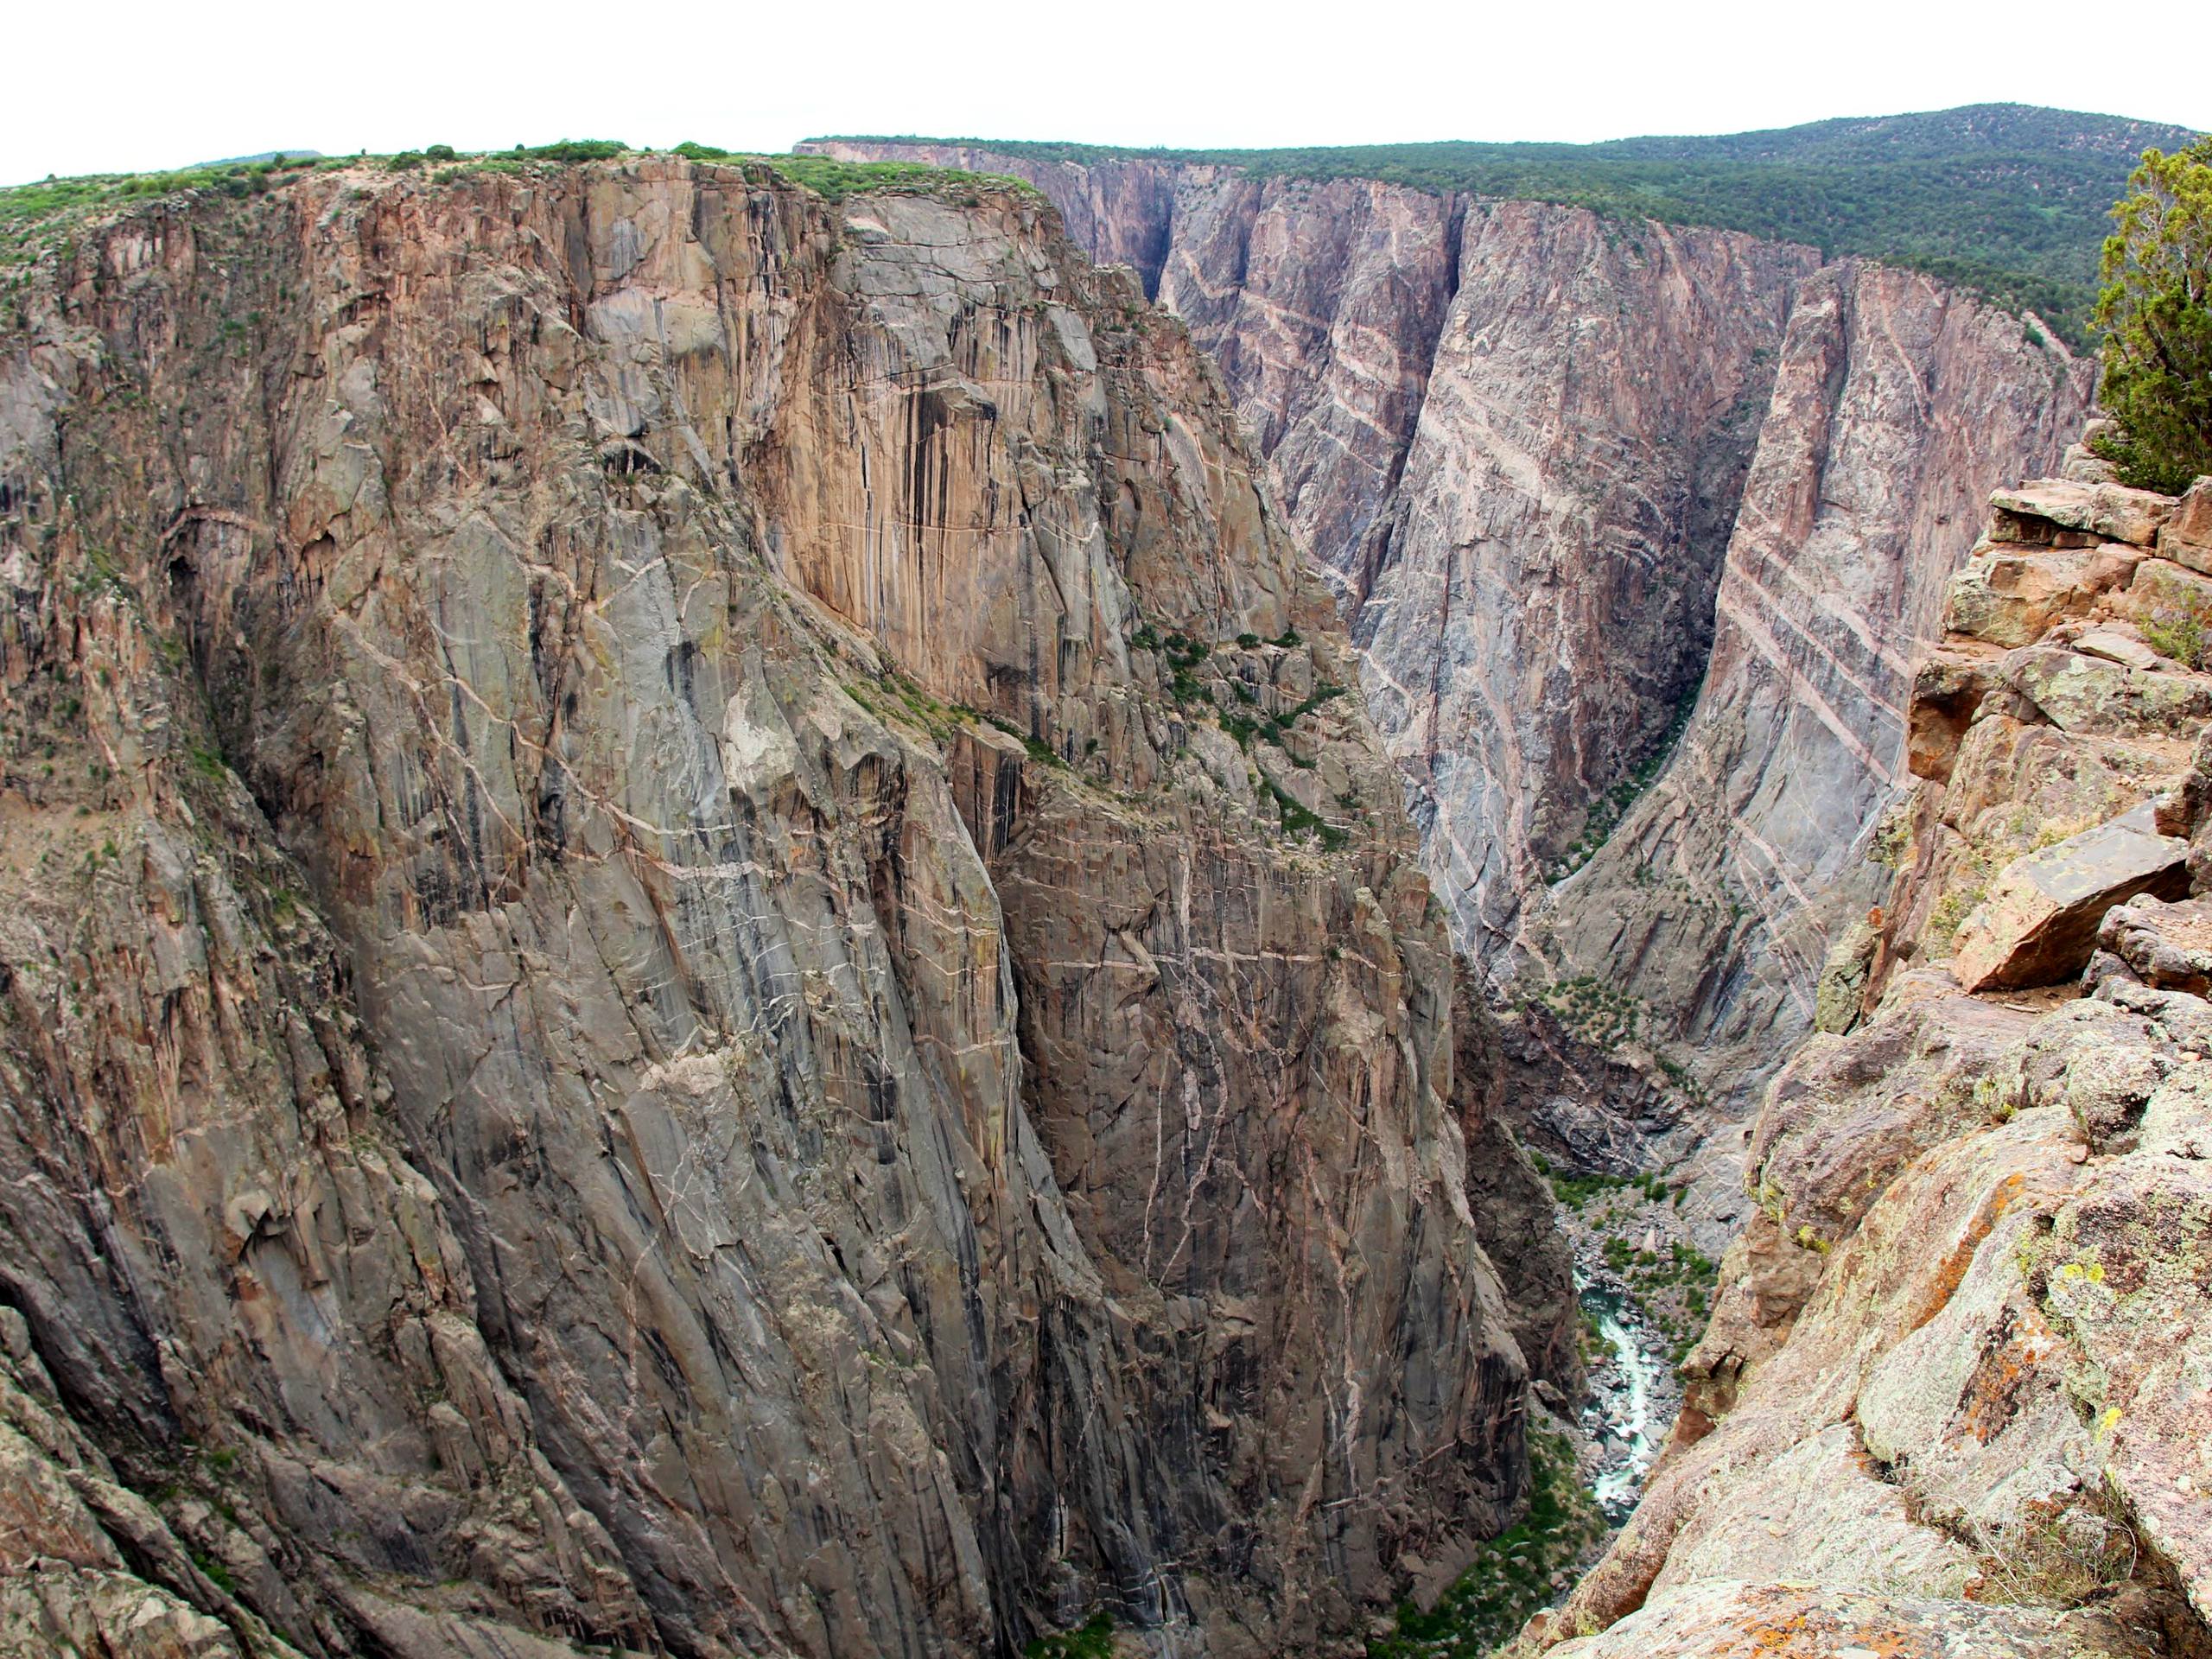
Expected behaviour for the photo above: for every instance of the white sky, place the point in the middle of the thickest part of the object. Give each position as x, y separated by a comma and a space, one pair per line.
127, 85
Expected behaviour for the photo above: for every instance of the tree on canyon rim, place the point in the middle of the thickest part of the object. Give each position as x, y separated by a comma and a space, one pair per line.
2156, 313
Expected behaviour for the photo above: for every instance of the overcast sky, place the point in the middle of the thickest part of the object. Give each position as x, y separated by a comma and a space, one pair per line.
95, 89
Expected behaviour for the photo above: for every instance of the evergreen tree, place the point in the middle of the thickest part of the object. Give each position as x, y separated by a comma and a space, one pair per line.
2156, 313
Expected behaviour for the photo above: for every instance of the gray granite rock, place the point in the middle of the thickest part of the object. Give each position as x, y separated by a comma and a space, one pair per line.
634, 1013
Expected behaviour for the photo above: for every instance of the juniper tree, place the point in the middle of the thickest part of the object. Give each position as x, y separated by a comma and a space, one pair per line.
2156, 315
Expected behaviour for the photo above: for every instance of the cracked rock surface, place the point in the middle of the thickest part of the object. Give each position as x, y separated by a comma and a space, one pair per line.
1953, 1398
705, 950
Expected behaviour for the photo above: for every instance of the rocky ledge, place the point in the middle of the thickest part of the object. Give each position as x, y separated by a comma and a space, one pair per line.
1953, 1396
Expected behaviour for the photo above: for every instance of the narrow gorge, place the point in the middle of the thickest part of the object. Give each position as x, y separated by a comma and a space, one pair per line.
959, 901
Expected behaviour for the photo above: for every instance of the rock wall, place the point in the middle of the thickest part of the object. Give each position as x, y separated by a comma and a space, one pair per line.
1604, 500
656, 990
1896, 407
1951, 1395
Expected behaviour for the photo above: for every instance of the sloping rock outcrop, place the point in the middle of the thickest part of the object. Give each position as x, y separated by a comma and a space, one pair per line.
1605, 503
1950, 1398
658, 992
1719, 1620
2039, 924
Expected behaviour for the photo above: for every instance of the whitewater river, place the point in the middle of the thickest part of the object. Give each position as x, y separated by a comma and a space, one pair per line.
1633, 1399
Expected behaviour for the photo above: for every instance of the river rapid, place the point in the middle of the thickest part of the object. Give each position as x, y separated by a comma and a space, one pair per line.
1634, 1393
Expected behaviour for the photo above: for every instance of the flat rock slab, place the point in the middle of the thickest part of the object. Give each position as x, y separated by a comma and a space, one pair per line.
2110, 511
2128, 649
2039, 924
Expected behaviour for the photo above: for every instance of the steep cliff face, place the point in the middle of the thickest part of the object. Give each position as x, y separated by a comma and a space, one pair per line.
1547, 602
1896, 407
1574, 475
657, 992
1952, 1396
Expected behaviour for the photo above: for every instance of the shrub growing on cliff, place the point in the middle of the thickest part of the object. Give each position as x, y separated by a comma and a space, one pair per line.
572, 150
1092, 1639
2155, 312
2180, 635
1513, 1574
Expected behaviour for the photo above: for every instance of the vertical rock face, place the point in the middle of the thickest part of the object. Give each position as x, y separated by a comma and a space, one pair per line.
1322, 303
1554, 543
1572, 474
651, 997
1896, 405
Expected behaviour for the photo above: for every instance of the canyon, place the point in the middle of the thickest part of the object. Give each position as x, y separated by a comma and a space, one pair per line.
1637, 528
1951, 1399
760, 912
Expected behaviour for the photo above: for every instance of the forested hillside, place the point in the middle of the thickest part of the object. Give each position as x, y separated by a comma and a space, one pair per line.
2005, 198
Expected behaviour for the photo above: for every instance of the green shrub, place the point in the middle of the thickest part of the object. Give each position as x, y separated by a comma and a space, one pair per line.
1511, 1576
1039, 751
577, 150
834, 181
2156, 314
2177, 634
1092, 1639
1951, 914
1296, 820
216, 1572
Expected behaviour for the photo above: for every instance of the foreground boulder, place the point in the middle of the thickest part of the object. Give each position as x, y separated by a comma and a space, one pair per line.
2039, 924
2168, 946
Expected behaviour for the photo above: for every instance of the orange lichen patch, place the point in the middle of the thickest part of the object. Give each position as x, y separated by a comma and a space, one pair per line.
2025, 1344
1961, 1256
1817, 1633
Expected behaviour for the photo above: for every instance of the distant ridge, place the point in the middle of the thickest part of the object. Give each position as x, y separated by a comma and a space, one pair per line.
2010, 198
258, 155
